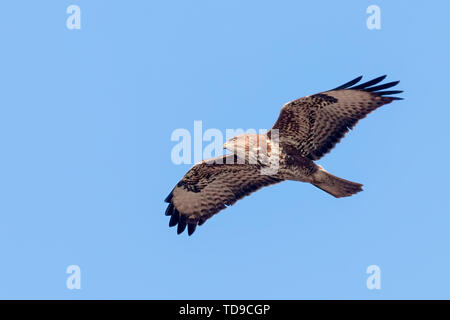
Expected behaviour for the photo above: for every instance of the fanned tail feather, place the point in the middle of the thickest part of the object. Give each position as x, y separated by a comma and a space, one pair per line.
335, 186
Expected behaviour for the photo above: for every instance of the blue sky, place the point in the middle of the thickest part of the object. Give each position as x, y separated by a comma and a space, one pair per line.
85, 123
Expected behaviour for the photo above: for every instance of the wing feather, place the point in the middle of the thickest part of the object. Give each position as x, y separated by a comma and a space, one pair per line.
369, 83
348, 84
210, 187
313, 125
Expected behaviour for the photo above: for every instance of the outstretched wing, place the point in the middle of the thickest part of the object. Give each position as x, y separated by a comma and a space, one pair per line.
210, 187
314, 124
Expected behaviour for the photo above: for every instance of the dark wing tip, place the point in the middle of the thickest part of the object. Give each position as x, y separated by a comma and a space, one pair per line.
174, 218
179, 220
384, 93
181, 224
382, 86
168, 199
349, 84
191, 228
169, 210
369, 86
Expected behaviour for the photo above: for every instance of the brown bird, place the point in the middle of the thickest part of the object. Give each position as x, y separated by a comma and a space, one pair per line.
306, 129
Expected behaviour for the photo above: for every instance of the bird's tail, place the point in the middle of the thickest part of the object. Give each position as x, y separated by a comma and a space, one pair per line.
335, 186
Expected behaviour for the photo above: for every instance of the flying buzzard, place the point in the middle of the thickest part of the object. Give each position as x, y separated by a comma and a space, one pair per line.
306, 129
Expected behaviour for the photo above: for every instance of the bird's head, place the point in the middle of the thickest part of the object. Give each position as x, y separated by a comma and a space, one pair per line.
238, 143
245, 145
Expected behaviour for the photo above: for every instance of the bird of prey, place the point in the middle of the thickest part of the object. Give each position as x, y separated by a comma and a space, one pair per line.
306, 129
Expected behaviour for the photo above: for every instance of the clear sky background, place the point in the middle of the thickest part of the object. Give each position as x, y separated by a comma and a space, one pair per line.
85, 123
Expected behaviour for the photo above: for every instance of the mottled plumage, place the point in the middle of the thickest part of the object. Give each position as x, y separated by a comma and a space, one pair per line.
314, 124
306, 129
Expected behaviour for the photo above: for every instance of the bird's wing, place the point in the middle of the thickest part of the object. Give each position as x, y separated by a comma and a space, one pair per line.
209, 187
314, 124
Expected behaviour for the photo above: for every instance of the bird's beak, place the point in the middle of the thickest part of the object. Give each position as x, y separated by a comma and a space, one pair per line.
225, 145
